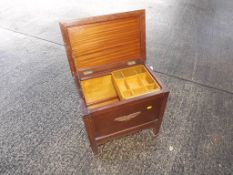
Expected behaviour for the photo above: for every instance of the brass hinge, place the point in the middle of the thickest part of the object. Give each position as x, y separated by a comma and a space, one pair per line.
87, 72
130, 63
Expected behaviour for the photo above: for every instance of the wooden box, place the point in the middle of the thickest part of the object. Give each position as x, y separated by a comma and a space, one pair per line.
119, 93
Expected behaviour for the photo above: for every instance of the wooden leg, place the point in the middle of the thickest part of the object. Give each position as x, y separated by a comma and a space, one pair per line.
158, 125
155, 131
90, 132
94, 149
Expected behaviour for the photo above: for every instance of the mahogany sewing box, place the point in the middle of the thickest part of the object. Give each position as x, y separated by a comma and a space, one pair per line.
119, 93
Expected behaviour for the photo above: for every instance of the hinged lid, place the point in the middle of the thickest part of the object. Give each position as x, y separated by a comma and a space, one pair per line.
103, 43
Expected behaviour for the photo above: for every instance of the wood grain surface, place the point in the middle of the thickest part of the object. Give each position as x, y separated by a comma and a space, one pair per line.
104, 41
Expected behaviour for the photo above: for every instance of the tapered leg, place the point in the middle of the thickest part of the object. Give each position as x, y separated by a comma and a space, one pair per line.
159, 122
90, 132
94, 149
155, 131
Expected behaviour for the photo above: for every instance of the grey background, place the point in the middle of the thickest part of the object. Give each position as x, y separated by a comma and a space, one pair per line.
190, 45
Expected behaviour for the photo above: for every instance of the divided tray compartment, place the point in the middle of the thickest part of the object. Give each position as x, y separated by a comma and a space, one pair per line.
133, 81
99, 91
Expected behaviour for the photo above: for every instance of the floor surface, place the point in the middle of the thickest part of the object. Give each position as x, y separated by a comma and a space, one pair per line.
189, 44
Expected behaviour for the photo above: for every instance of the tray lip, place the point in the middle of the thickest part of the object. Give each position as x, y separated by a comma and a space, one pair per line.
64, 25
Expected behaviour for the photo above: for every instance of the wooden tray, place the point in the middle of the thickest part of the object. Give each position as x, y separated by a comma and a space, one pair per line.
121, 84
134, 81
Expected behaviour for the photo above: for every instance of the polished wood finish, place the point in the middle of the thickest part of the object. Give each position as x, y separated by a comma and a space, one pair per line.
102, 51
105, 42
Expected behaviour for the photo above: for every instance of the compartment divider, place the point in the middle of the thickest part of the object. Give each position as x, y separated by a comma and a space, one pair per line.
141, 82
123, 76
147, 86
126, 84
135, 72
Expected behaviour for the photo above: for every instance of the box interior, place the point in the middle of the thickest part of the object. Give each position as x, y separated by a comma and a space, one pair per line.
122, 84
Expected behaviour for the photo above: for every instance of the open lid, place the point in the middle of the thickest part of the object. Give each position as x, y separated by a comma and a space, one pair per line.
103, 43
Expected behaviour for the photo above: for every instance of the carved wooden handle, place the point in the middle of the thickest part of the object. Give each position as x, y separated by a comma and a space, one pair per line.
127, 117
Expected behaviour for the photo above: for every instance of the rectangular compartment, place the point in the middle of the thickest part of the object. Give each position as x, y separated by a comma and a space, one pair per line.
127, 93
145, 79
99, 90
151, 87
122, 85
139, 91
133, 82
128, 72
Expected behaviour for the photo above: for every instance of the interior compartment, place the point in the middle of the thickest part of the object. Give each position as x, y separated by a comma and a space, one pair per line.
133, 82
99, 90
137, 80
121, 84
139, 91
150, 87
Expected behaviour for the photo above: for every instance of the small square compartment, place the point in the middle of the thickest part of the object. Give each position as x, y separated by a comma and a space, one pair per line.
122, 85
139, 91
151, 87
133, 82
145, 78
127, 93
129, 72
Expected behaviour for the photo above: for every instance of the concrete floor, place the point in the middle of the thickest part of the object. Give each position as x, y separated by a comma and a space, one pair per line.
190, 45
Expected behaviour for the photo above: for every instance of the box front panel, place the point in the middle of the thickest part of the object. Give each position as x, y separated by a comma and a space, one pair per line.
127, 116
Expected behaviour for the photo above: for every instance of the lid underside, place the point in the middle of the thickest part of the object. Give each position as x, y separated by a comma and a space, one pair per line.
105, 40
